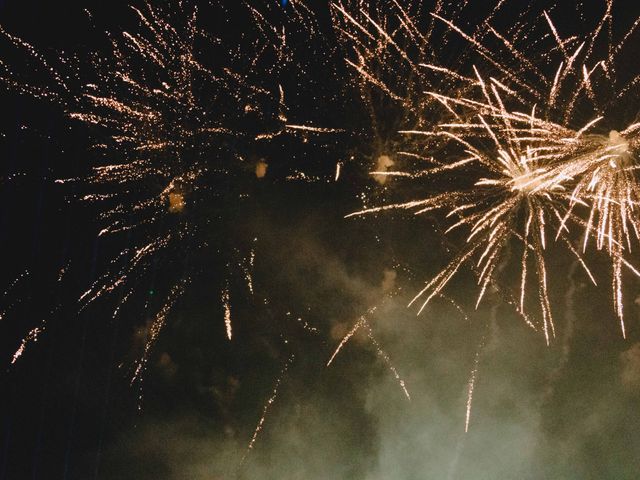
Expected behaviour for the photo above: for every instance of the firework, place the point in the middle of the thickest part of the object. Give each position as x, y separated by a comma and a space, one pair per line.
173, 124
599, 167
518, 135
518, 193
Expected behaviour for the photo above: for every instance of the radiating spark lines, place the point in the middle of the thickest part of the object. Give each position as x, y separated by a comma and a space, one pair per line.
516, 133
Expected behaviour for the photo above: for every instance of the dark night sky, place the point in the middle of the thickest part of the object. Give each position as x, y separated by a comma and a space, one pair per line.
68, 411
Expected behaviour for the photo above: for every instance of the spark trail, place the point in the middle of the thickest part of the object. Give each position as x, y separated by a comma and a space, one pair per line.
363, 323
267, 406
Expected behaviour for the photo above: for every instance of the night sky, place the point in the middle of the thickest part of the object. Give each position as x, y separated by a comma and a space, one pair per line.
69, 408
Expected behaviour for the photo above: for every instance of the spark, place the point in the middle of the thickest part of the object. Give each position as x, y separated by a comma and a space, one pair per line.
20, 278
363, 323
311, 128
261, 169
247, 267
35, 333
385, 358
156, 327
226, 304
608, 187
267, 406
31, 337
304, 324
470, 388
347, 337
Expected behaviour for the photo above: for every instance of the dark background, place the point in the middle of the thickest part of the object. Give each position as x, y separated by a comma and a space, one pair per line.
69, 411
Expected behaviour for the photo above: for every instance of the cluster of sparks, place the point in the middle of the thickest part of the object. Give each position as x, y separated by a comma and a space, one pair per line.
169, 143
176, 119
536, 169
363, 324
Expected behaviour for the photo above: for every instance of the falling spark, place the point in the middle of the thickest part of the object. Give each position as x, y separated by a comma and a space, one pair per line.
247, 267
157, 325
35, 333
267, 406
261, 169
311, 128
471, 386
32, 336
9, 289
347, 337
226, 305
385, 358
363, 323
533, 171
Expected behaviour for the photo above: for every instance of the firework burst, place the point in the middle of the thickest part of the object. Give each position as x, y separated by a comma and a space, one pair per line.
517, 131
598, 167
517, 195
173, 121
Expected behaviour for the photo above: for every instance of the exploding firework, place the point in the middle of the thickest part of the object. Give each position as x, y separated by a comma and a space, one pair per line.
600, 165
173, 119
516, 120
